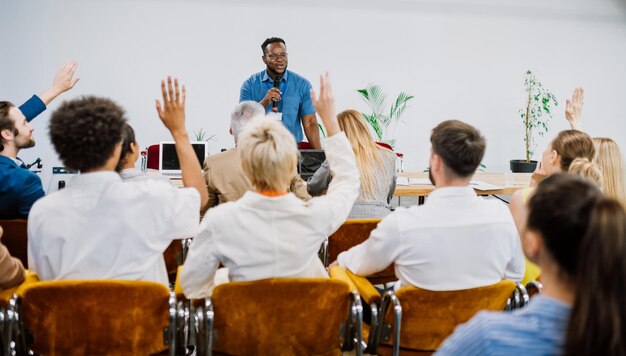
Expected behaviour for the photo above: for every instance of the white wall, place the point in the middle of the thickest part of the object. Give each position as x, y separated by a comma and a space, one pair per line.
461, 59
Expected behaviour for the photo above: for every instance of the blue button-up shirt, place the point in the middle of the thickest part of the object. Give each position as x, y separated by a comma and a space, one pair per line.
295, 99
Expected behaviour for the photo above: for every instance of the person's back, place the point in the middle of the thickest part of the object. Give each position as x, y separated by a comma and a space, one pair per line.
377, 169
456, 240
100, 227
376, 204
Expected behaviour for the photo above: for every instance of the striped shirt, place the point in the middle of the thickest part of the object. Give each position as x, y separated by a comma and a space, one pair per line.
538, 329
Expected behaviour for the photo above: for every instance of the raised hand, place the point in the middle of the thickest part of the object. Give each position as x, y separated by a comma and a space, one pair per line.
574, 108
64, 79
172, 113
62, 82
325, 105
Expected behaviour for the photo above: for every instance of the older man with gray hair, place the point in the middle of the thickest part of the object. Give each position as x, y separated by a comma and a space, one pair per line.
224, 176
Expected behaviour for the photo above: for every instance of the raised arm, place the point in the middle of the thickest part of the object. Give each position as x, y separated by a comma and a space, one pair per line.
63, 81
574, 108
325, 106
172, 114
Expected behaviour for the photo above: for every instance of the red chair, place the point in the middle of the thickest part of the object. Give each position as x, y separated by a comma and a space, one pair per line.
153, 157
398, 154
305, 146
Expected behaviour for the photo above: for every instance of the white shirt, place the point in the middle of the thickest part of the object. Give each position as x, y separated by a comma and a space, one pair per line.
100, 227
134, 174
456, 240
259, 237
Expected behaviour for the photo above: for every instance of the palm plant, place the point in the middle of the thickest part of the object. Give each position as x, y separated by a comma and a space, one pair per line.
381, 119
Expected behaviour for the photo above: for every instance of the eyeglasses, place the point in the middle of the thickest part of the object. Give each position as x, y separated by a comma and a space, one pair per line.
275, 56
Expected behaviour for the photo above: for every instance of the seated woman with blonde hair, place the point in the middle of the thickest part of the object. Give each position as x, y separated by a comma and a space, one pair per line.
270, 233
377, 168
563, 150
608, 156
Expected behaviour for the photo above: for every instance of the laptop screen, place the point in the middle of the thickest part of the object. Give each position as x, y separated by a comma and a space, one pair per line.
169, 158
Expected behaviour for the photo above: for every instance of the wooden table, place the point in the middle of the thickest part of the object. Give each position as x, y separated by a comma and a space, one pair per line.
520, 181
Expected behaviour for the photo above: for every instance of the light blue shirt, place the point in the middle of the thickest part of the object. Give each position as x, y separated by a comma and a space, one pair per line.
538, 329
295, 99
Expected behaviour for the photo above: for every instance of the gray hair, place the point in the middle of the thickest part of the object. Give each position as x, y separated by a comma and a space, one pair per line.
245, 112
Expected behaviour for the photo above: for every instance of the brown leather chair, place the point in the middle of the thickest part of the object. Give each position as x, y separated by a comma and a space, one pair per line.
429, 317
15, 238
94, 318
417, 321
287, 316
352, 233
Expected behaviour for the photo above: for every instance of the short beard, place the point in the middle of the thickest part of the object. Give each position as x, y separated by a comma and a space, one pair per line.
28, 144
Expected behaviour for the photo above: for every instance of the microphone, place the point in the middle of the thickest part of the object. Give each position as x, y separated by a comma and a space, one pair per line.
276, 85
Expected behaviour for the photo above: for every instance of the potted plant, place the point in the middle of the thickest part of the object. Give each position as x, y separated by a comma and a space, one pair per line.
535, 117
202, 136
379, 119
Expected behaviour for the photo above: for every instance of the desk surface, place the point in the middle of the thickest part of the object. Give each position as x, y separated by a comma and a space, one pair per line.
519, 181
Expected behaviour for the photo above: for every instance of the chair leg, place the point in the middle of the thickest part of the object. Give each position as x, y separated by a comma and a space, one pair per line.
203, 316
171, 330
372, 341
389, 298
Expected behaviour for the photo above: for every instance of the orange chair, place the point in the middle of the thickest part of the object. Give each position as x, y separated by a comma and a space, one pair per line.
299, 316
94, 318
425, 318
352, 233
429, 317
15, 239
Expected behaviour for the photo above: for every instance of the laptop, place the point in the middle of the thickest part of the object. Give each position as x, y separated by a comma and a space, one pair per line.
310, 162
168, 159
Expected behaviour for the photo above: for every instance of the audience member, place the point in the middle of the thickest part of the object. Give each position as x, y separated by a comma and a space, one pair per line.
587, 170
128, 157
578, 237
224, 176
377, 169
456, 240
292, 102
11, 269
611, 162
99, 227
19, 187
270, 233
608, 156
566, 147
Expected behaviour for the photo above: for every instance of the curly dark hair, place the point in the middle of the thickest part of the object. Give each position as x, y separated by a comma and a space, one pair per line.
5, 121
269, 41
85, 131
